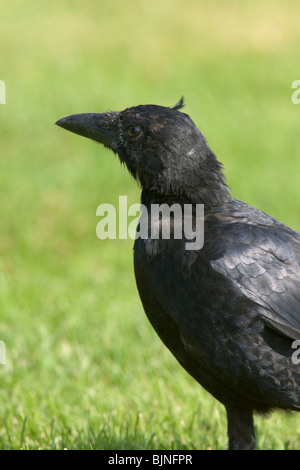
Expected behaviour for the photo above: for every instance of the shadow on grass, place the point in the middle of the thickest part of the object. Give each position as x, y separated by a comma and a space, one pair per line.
130, 436
125, 438
114, 433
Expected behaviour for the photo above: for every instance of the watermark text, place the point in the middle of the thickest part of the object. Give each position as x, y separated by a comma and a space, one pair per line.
2, 92
296, 94
2, 353
159, 221
296, 354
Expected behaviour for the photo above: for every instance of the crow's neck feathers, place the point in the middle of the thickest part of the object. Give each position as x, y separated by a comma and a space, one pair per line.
201, 182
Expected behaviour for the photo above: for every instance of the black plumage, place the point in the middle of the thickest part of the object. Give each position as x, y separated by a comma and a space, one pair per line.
229, 311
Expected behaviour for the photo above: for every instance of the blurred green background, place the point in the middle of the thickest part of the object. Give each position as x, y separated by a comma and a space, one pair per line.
84, 368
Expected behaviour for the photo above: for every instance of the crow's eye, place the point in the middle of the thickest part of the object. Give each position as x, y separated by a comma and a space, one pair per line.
134, 131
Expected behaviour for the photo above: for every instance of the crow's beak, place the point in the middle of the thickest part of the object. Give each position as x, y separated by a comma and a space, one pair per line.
102, 128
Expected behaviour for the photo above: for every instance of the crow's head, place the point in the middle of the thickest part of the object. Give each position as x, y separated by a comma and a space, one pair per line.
161, 147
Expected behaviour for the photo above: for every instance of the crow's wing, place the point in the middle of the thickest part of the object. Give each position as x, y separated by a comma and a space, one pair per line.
210, 306
261, 257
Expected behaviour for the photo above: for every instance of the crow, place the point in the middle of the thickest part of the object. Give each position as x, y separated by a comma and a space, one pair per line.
229, 311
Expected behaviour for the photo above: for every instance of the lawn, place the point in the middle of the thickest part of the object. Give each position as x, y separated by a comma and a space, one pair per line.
84, 369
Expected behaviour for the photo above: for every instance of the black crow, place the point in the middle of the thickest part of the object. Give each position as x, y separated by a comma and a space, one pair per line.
229, 310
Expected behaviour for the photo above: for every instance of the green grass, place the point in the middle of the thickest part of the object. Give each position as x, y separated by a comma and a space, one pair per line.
84, 368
